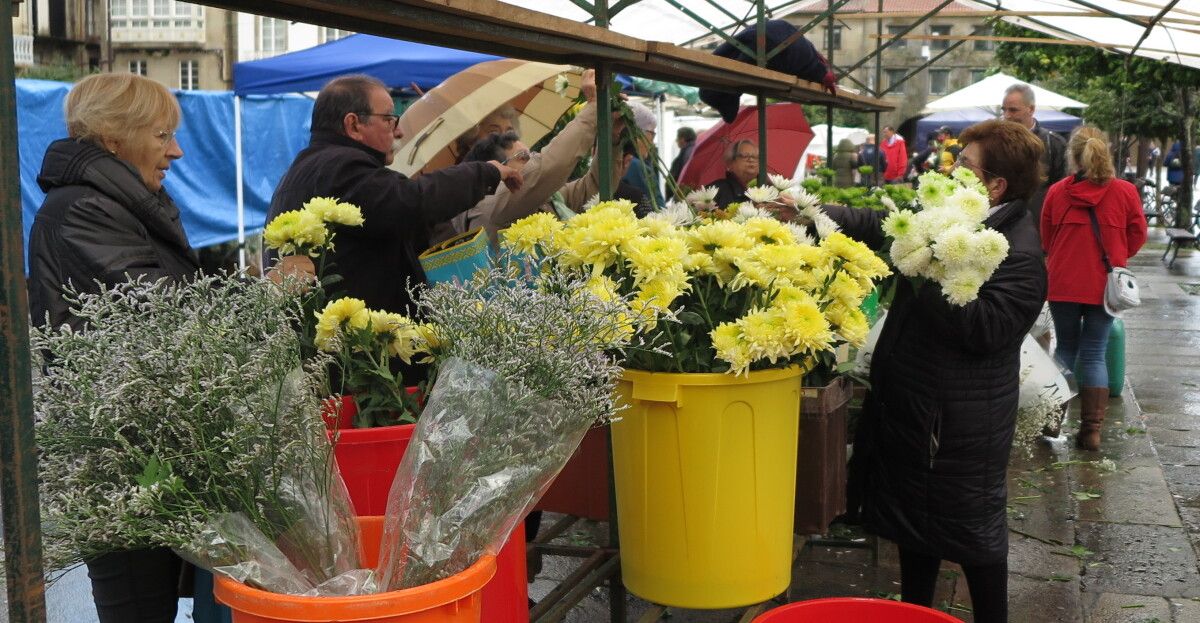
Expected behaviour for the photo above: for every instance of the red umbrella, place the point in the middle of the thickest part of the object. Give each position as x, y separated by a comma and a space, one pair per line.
788, 135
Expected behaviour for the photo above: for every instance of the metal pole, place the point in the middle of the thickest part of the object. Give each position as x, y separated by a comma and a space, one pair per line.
877, 176
18, 454
760, 52
241, 201
829, 109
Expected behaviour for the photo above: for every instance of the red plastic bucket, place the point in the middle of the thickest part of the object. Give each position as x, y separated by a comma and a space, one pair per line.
854, 610
368, 459
455, 599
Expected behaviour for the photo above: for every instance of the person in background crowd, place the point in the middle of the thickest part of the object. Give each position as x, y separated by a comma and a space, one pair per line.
107, 219
1077, 270
948, 149
931, 450
741, 166
1174, 164
1018, 106
895, 154
353, 131
921, 161
643, 174
685, 140
870, 155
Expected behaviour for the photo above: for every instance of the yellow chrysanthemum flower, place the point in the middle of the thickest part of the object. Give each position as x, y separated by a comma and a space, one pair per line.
532, 234
345, 311
766, 334
297, 231
849, 322
330, 210
806, 328
730, 347
768, 230
710, 237
652, 257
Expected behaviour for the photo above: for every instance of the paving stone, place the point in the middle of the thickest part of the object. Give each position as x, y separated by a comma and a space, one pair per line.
1129, 495
1185, 610
1138, 560
1177, 438
1118, 608
1184, 483
1041, 561
1179, 456
1043, 601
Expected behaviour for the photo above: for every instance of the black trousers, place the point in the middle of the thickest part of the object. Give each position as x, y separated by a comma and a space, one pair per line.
988, 585
136, 586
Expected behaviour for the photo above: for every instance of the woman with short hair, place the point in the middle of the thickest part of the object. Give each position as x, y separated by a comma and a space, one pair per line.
931, 449
1076, 264
107, 219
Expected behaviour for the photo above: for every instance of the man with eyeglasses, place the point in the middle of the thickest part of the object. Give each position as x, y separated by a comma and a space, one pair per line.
1018, 105
354, 126
741, 166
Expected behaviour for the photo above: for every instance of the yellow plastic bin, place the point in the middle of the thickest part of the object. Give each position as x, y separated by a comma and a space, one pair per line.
705, 471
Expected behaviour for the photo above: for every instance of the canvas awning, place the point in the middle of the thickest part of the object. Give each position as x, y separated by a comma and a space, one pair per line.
989, 92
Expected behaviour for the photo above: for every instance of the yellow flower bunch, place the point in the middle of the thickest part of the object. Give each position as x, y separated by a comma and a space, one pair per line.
363, 330
306, 231
740, 294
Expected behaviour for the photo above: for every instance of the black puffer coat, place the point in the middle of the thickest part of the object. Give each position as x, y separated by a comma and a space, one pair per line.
937, 427
99, 223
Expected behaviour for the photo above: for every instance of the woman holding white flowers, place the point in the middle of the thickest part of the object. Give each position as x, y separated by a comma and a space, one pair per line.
107, 219
1077, 270
931, 450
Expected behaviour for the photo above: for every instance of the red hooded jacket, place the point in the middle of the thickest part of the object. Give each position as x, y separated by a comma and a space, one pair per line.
896, 154
1075, 267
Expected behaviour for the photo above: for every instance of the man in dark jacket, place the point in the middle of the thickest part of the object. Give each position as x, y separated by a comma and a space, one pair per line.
353, 130
869, 155
1019, 104
931, 450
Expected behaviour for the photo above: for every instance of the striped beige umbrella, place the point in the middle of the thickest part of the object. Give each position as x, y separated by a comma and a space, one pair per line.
432, 123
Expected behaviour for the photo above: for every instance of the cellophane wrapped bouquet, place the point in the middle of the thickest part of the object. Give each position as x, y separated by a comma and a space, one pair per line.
716, 292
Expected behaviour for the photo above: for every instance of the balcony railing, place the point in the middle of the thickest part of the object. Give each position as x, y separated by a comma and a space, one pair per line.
153, 34
22, 50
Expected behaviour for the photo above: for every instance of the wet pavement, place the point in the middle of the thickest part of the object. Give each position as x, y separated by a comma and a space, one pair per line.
1090, 542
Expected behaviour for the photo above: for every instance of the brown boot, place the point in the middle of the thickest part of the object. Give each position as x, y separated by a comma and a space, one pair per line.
1093, 404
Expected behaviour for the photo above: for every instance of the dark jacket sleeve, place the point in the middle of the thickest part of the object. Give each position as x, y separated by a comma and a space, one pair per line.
1007, 305
862, 224
391, 202
102, 239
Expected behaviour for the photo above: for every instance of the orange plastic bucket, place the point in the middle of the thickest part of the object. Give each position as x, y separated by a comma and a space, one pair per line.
457, 598
853, 610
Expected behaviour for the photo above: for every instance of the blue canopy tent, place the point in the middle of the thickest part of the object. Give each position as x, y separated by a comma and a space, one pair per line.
959, 120
399, 64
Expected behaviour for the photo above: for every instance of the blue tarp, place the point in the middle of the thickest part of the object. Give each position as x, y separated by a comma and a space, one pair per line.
397, 63
959, 120
203, 183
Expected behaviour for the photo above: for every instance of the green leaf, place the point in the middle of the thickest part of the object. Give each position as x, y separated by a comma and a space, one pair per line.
690, 317
1084, 496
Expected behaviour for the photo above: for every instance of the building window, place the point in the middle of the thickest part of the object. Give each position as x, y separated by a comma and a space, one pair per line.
984, 46
272, 35
139, 8
894, 76
162, 7
161, 23
137, 67
186, 9
328, 34
939, 81
837, 38
189, 75
117, 8
939, 31
896, 30
977, 75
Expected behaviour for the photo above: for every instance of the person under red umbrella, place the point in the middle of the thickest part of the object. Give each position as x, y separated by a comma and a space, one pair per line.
741, 166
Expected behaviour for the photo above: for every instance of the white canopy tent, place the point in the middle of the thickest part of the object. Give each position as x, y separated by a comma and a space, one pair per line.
988, 93
818, 147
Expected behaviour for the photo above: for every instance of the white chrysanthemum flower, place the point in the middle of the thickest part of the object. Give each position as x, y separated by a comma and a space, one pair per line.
967, 178
780, 182
676, 213
702, 197
912, 262
801, 235
990, 248
804, 199
954, 246
762, 194
888, 203
899, 224
591, 202
973, 205
561, 83
961, 286
746, 211
821, 221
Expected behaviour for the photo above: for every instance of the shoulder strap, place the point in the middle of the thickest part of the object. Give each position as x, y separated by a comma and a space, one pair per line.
1099, 239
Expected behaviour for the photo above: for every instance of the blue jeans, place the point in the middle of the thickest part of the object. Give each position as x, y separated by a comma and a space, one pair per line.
1082, 333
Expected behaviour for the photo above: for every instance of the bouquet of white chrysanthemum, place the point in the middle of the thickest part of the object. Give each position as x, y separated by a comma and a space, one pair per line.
946, 241
722, 292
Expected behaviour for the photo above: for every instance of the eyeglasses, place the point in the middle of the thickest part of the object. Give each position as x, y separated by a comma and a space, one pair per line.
520, 156
748, 157
1011, 109
965, 162
165, 136
392, 118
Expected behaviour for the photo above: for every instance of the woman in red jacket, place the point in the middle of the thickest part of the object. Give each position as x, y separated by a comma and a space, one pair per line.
1076, 268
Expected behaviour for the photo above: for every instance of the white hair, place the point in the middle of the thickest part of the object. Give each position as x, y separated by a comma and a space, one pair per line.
1026, 92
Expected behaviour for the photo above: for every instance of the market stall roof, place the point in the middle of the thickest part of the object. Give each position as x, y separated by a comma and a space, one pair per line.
987, 94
